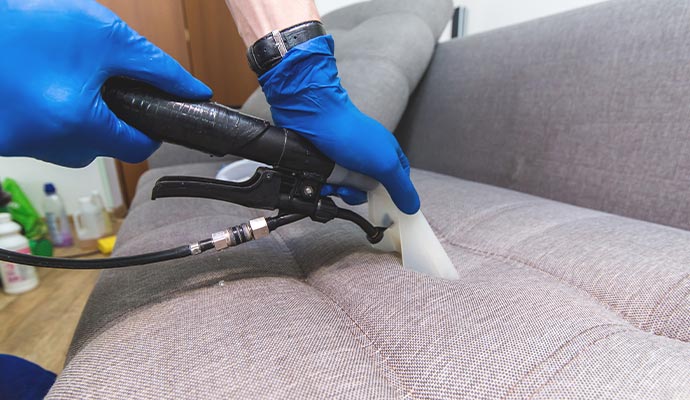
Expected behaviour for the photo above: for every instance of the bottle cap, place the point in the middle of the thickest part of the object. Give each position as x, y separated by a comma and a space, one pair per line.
49, 188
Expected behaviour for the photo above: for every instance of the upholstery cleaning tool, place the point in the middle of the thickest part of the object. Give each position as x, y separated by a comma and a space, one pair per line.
409, 235
292, 185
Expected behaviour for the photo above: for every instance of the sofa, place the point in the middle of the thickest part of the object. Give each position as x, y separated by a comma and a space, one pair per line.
553, 162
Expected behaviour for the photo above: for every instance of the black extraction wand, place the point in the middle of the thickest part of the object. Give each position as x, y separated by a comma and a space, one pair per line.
292, 185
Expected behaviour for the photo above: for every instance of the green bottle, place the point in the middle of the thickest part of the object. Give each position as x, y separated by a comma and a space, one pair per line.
24, 213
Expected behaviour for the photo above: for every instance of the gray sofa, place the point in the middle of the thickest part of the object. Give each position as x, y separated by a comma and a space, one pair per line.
553, 161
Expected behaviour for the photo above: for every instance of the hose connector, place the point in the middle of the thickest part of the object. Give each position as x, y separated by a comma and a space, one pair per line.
238, 234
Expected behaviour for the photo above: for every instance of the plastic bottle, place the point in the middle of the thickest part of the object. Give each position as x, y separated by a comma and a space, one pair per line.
16, 278
56, 218
98, 201
88, 220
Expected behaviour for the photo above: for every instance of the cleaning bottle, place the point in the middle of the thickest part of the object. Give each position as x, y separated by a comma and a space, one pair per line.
16, 278
56, 218
98, 201
23, 212
89, 223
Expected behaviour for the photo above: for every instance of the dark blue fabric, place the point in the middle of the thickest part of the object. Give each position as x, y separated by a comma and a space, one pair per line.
305, 95
23, 380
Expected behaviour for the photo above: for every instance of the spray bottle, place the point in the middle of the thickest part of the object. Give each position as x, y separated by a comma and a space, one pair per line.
56, 217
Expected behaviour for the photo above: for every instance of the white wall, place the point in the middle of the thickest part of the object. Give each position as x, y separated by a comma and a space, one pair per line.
70, 183
484, 15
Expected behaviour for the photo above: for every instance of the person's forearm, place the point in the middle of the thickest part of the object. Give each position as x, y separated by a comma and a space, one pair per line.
256, 18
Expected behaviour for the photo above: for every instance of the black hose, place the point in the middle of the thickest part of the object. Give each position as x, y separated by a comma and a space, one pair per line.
281, 220
374, 234
103, 263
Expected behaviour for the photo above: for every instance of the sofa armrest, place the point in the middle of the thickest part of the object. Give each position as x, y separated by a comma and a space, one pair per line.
590, 107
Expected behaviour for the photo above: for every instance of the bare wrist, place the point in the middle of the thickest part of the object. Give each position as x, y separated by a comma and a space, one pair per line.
256, 18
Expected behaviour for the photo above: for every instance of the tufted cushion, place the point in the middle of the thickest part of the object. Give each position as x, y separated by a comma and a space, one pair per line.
553, 301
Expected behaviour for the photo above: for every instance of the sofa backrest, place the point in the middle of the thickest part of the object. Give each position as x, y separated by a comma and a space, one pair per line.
590, 107
382, 48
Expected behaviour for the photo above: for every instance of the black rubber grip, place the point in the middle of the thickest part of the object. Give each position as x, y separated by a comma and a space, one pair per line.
210, 127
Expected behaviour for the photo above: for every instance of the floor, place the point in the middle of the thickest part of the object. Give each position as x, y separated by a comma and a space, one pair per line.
38, 325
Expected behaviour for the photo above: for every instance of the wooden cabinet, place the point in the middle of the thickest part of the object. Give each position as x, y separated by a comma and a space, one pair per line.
202, 37
217, 53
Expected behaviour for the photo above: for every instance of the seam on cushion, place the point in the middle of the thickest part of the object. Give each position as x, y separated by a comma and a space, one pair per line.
533, 374
574, 357
664, 321
661, 302
401, 386
503, 257
378, 350
649, 323
534, 265
494, 212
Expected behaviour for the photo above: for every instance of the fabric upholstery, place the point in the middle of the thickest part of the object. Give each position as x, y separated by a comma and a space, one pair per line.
590, 107
553, 301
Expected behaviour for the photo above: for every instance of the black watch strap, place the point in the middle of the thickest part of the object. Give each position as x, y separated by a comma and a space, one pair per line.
268, 51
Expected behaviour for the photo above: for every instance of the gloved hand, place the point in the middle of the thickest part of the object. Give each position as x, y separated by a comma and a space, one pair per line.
56, 56
305, 95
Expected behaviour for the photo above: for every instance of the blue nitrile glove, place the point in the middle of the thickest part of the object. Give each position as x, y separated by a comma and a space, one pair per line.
305, 95
22, 379
56, 54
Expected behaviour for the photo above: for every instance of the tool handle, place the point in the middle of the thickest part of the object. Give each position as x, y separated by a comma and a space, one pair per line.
210, 127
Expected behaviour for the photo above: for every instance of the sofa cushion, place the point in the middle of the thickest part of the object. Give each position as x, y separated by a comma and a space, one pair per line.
553, 301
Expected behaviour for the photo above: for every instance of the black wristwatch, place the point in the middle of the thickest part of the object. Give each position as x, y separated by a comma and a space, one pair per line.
268, 51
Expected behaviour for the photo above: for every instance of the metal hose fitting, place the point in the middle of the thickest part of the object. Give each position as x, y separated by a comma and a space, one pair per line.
238, 234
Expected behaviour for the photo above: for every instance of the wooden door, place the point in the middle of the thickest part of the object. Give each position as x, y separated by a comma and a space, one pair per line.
162, 22
202, 37
217, 53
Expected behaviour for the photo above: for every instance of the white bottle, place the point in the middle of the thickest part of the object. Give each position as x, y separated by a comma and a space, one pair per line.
56, 218
89, 221
16, 278
98, 201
